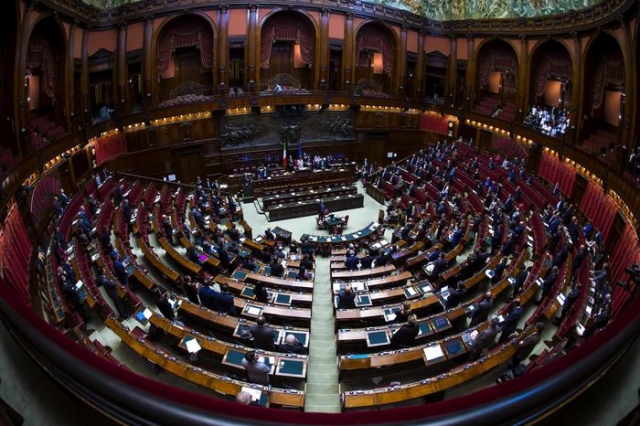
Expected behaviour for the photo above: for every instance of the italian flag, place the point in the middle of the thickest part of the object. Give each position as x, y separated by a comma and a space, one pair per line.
284, 154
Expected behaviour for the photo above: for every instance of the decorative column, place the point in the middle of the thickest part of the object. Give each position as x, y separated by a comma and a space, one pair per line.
147, 66
420, 71
469, 100
121, 63
85, 100
69, 74
223, 48
323, 45
577, 91
401, 74
21, 84
452, 71
628, 100
348, 57
522, 93
253, 57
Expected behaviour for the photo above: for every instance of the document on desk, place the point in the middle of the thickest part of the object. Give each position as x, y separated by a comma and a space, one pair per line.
193, 346
433, 353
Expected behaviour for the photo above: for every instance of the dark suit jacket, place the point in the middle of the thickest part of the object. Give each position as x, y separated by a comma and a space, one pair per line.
346, 300
262, 337
405, 335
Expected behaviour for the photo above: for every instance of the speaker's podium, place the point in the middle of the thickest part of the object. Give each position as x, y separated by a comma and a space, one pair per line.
247, 192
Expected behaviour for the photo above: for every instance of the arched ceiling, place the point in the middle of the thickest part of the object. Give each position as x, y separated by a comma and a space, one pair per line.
446, 10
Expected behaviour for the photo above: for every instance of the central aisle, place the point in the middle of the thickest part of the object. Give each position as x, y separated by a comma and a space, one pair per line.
323, 390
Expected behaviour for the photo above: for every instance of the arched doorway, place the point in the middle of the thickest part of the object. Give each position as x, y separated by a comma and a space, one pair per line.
185, 58
550, 89
8, 37
497, 80
375, 60
287, 47
604, 98
44, 83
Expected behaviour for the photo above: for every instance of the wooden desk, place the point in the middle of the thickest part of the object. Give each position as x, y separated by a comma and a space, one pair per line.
153, 258
246, 291
363, 273
196, 375
185, 263
275, 282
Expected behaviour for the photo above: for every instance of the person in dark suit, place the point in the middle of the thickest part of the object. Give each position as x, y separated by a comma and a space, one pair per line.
347, 298
121, 272
519, 281
481, 311
548, 283
261, 292
306, 263
105, 237
498, 272
510, 322
262, 335
111, 289
403, 314
527, 345
208, 297
405, 336
167, 229
455, 296
291, 345
277, 270
568, 303
190, 290
163, 304
269, 235
485, 339
224, 301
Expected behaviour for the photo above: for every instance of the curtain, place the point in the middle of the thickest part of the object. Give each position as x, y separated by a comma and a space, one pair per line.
555, 171
608, 72
185, 32
40, 55
372, 39
599, 208
552, 64
15, 251
286, 28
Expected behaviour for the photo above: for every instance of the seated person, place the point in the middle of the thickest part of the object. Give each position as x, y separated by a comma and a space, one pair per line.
406, 335
291, 345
